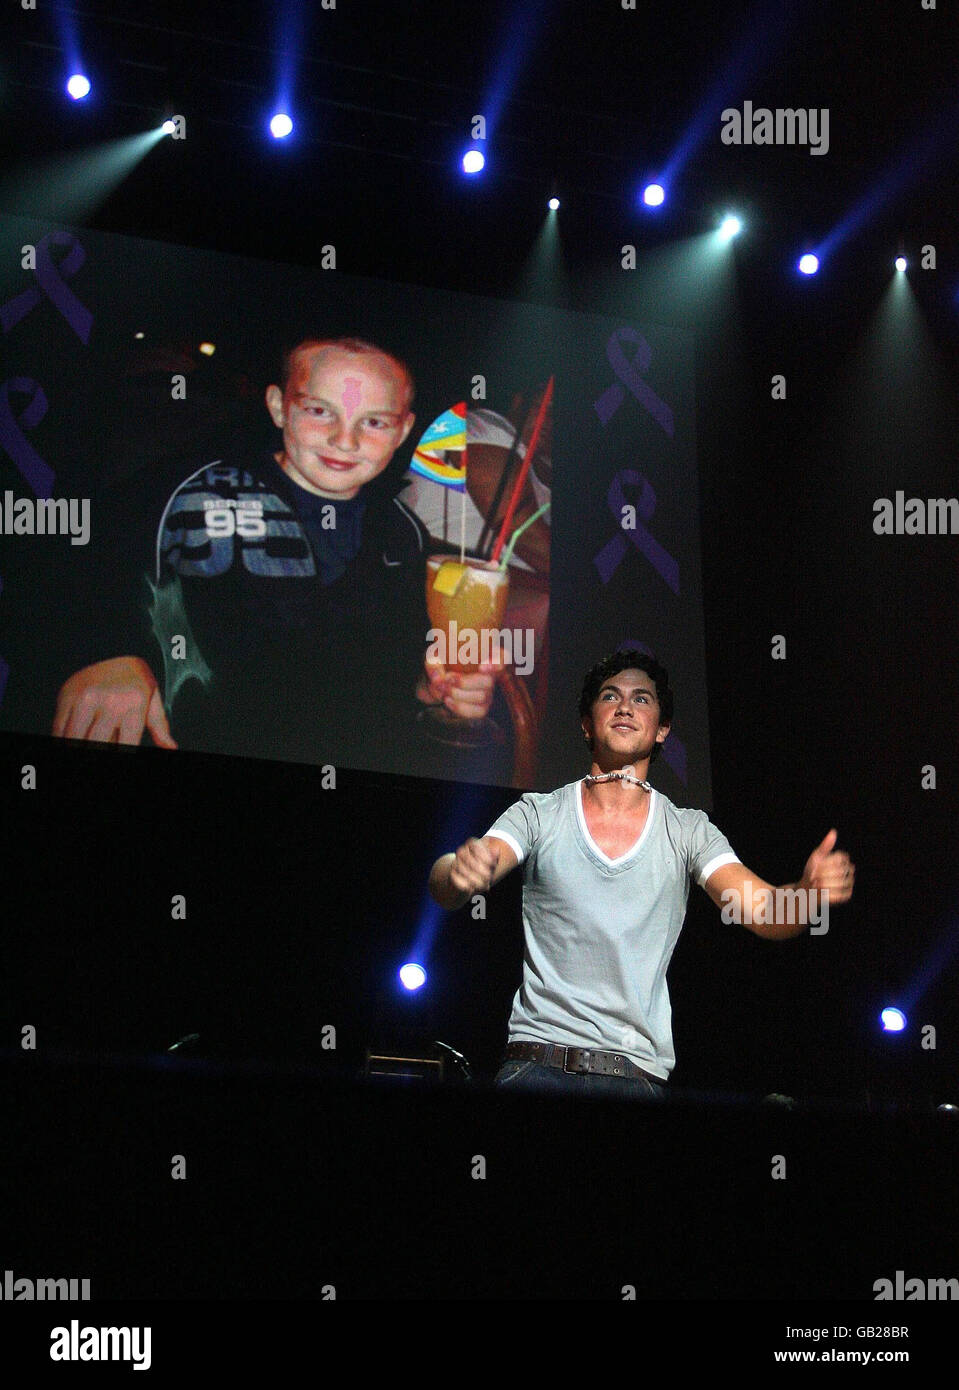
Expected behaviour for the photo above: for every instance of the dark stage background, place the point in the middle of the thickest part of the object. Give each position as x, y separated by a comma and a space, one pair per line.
298, 915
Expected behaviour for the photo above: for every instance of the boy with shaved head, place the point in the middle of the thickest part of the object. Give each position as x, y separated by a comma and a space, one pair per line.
294, 581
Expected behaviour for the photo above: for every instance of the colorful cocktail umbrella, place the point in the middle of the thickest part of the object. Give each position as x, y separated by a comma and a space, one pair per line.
440, 456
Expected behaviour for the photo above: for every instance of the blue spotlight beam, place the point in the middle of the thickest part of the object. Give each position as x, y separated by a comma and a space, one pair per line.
757, 49
460, 825
65, 21
906, 170
940, 955
514, 44
290, 26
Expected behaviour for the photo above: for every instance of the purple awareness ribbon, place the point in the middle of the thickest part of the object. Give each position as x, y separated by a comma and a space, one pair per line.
38, 474
609, 558
51, 278
629, 374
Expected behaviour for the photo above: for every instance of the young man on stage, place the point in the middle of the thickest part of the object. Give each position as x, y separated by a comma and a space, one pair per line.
607, 863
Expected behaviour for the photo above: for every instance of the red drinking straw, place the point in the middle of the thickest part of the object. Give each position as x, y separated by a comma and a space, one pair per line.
521, 476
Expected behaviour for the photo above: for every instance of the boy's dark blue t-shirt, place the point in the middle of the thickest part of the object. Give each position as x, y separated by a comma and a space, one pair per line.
334, 528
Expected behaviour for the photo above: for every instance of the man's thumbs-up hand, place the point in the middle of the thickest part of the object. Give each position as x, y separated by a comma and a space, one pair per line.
830, 870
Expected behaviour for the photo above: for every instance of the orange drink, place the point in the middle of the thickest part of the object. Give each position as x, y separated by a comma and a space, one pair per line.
468, 601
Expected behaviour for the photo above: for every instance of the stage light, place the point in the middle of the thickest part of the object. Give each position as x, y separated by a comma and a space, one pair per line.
653, 195
208, 349
808, 264
140, 334
553, 204
168, 127
731, 226
78, 86
893, 1020
412, 976
280, 126
900, 264
473, 161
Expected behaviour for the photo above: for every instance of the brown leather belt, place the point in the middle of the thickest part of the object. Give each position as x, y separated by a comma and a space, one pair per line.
580, 1060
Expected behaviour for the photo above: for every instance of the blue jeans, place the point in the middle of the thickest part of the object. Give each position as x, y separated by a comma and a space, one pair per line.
534, 1076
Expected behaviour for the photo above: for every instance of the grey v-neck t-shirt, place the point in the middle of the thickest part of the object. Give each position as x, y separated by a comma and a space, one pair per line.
600, 932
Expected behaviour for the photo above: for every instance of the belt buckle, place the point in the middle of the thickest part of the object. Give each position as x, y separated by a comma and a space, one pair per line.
586, 1056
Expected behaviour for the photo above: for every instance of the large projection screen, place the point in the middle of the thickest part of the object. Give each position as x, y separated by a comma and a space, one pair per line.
176, 542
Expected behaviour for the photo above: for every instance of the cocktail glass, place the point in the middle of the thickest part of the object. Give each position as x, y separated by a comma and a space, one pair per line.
466, 611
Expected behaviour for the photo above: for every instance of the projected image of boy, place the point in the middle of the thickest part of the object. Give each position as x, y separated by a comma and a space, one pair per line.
295, 584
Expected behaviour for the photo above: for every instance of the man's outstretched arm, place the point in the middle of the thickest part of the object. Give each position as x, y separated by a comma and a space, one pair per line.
474, 868
779, 913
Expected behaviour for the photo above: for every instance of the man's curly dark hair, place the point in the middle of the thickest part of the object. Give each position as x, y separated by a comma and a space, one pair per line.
626, 660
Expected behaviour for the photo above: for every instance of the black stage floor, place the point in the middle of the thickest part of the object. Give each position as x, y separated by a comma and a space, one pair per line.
294, 1185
